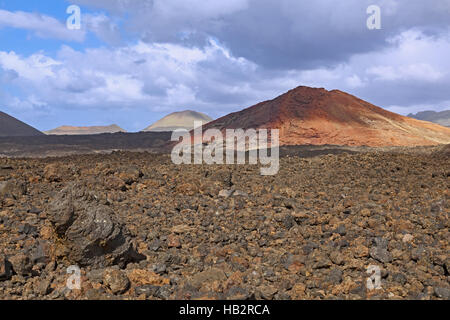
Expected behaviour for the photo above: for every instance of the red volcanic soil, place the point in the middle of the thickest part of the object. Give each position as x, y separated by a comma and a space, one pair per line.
316, 116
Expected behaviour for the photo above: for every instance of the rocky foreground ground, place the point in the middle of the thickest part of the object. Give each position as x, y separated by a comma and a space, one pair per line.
140, 227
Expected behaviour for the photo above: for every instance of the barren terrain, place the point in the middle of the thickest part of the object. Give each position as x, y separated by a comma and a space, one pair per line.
47, 146
142, 228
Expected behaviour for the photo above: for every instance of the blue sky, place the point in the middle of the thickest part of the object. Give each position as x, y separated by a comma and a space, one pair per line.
134, 61
20, 40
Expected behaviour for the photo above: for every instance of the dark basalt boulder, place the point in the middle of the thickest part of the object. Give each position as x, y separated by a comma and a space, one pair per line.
5, 269
12, 189
91, 232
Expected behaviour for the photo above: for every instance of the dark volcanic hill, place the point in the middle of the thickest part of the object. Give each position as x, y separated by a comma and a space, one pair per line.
11, 127
316, 116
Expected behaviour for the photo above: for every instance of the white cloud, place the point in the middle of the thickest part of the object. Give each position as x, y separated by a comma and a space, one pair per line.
354, 81
140, 76
103, 27
43, 26
419, 72
197, 9
405, 110
47, 27
34, 68
171, 8
211, 78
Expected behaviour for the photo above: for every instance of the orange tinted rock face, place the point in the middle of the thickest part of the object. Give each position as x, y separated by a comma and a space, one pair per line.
144, 277
316, 116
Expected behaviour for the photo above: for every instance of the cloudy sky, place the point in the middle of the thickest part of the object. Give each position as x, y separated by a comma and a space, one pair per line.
134, 61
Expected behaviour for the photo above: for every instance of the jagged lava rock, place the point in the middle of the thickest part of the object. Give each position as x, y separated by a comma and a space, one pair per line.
91, 231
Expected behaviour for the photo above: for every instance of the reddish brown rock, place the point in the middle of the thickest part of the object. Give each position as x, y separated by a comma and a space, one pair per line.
140, 277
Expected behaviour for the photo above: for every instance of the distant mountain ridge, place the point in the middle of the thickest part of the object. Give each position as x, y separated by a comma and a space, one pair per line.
178, 120
12, 127
442, 117
72, 130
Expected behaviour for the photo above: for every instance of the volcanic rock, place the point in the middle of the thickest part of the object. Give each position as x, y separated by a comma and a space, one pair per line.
12, 189
116, 280
21, 264
207, 276
380, 254
289, 238
6, 270
443, 293
91, 231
